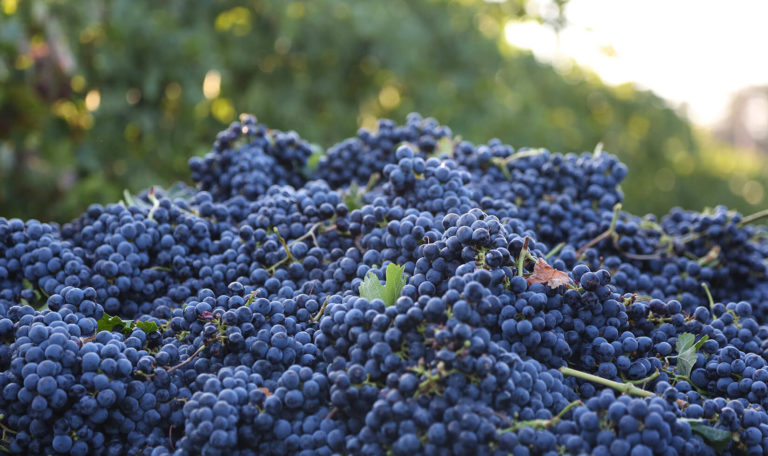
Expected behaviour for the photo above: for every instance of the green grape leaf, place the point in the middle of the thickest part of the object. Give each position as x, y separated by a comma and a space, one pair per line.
108, 322
687, 349
146, 326
371, 288
395, 283
128, 198
684, 342
717, 438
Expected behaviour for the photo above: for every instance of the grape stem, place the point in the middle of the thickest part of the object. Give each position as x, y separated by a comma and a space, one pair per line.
319, 314
753, 218
709, 295
6, 430
523, 255
188, 360
170, 438
626, 388
85, 340
644, 380
610, 232
502, 163
519, 155
155, 203
310, 233
285, 246
372, 182
541, 424
554, 251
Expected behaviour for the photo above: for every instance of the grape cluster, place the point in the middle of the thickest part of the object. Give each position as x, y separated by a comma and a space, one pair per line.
412, 294
248, 158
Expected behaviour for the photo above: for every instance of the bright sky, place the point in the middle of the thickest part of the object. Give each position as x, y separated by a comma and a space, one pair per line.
697, 52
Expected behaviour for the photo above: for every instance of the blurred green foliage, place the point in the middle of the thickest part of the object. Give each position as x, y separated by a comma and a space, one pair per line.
98, 96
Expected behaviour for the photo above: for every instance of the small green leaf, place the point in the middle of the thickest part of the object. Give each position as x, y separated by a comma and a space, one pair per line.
128, 199
395, 283
686, 361
108, 322
146, 326
371, 288
717, 438
686, 352
598, 149
684, 342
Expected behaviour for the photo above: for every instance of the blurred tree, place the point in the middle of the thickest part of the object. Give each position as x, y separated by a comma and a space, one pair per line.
97, 96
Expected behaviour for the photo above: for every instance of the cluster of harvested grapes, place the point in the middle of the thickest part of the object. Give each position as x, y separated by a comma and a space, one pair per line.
403, 293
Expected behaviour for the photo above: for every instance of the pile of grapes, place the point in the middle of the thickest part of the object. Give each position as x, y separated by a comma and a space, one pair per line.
403, 293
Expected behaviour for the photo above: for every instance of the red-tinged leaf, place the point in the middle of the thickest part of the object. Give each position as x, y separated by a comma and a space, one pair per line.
544, 273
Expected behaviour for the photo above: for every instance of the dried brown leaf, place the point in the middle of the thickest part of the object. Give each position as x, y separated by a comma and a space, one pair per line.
544, 273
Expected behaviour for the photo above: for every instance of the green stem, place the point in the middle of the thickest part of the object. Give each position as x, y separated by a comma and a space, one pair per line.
155, 203
503, 162
188, 360
285, 246
709, 295
372, 182
644, 380
310, 233
521, 258
627, 388
675, 377
616, 212
542, 424
274, 267
251, 297
129, 201
554, 251
605, 234
568, 408
753, 218
524, 154
319, 314
6, 430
